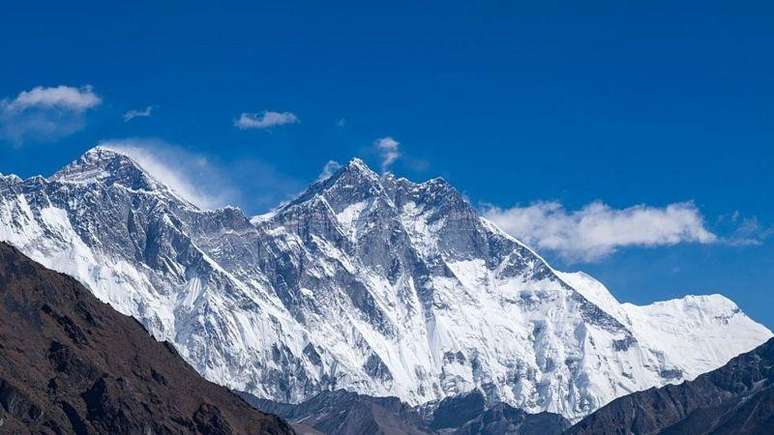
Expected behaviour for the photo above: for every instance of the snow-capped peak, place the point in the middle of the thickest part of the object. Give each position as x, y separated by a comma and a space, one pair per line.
113, 166
711, 306
10, 179
352, 183
358, 165
357, 171
366, 282
109, 166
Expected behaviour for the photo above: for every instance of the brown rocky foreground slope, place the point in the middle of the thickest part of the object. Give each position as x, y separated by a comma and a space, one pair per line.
737, 398
71, 364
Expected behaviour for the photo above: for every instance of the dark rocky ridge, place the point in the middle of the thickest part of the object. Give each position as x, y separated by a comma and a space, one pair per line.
470, 414
71, 364
346, 413
737, 398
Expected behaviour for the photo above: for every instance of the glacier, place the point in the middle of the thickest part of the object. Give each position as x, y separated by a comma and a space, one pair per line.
364, 281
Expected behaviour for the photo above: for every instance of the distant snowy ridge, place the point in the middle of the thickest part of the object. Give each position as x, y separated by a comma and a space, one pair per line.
366, 282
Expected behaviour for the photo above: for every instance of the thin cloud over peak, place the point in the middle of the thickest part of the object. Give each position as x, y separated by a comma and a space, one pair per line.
328, 170
265, 119
206, 180
144, 113
46, 113
178, 169
597, 230
389, 150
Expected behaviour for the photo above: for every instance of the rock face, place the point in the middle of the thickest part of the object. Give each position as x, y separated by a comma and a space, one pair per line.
71, 364
346, 413
342, 412
365, 282
468, 414
735, 399
503, 419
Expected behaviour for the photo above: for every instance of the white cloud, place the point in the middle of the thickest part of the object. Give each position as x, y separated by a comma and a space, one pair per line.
597, 230
389, 150
265, 119
189, 175
57, 97
130, 115
207, 180
46, 113
329, 169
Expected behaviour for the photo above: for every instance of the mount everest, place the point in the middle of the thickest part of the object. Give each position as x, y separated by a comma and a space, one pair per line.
366, 282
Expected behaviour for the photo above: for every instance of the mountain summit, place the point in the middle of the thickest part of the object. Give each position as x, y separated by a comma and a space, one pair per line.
112, 166
365, 282
105, 165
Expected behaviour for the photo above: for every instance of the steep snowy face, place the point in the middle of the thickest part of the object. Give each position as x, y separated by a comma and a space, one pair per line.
109, 167
366, 282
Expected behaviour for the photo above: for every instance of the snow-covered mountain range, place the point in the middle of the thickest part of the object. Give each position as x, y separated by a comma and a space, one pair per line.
366, 282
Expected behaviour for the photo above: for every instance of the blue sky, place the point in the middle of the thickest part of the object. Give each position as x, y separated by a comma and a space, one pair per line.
539, 114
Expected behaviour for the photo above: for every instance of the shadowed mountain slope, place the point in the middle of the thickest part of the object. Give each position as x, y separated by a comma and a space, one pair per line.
347, 413
737, 398
71, 364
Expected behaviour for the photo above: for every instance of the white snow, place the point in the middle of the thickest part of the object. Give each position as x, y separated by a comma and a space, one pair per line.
348, 217
537, 338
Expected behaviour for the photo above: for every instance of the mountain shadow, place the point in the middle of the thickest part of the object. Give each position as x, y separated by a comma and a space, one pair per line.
346, 413
737, 398
71, 364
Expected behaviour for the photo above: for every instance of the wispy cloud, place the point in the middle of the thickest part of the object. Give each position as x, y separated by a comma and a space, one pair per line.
329, 169
144, 113
389, 150
597, 230
182, 171
744, 231
265, 119
206, 180
46, 113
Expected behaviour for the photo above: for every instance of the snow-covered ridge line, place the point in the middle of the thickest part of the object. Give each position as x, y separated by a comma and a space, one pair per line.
367, 282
